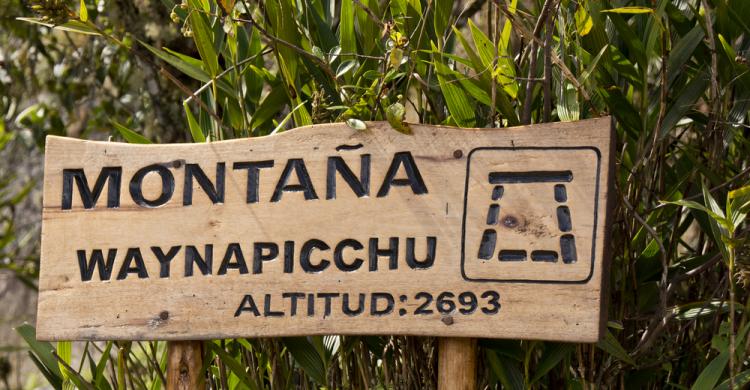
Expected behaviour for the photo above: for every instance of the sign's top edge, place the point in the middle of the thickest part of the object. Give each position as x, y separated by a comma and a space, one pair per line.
341, 125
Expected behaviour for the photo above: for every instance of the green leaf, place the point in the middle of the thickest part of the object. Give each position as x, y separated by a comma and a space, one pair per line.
630, 10
686, 100
356, 124
692, 205
740, 381
553, 354
195, 128
479, 66
613, 347
584, 23
710, 375
83, 13
682, 51
99, 377
505, 370
269, 106
234, 364
457, 102
203, 37
130, 135
441, 18
64, 352
483, 44
41, 349
347, 39
345, 67
306, 356
505, 71
695, 310
186, 65
634, 43
282, 124
567, 102
71, 25
395, 114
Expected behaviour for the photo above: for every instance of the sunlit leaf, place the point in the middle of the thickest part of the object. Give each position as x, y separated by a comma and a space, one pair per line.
83, 13
71, 25
130, 135
612, 346
356, 124
630, 10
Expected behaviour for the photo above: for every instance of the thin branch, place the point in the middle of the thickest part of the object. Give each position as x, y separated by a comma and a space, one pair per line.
494, 34
324, 65
546, 9
547, 86
369, 13
224, 73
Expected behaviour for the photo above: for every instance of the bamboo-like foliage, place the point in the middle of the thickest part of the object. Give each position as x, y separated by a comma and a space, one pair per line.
674, 75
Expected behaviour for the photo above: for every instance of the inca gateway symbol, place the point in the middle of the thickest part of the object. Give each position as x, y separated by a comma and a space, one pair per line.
530, 214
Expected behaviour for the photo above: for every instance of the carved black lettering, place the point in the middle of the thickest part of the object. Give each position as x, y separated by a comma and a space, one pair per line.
88, 266
133, 254
376, 252
338, 256
89, 197
204, 263
542, 255
165, 260
493, 214
303, 178
234, 251
214, 193
259, 257
561, 194
167, 186
512, 255
247, 304
377, 297
563, 219
411, 258
288, 257
304, 256
267, 308
413, 177
568, 249
310, 305
353, 312
487, 245
497, 192
530, 177
253, 176
361, 186
327, 304
293, 297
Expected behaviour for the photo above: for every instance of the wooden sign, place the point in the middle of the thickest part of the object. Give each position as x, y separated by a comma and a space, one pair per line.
497, 233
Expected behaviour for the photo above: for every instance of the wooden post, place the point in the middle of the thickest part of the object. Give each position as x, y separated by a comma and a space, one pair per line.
457, 363
184, 363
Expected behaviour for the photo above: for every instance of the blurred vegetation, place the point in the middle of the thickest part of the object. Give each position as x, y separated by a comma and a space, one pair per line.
674, 75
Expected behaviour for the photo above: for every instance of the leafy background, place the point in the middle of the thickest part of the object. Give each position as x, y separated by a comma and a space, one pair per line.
673, 74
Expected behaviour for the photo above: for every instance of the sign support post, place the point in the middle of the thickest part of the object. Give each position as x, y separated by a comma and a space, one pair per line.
184, 363
457, 363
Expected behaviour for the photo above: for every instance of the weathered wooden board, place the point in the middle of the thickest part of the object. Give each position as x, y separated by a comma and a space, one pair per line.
329, 230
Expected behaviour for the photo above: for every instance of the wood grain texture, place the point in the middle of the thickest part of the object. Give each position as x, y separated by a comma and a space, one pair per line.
184, 364
290, 246
457, 363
